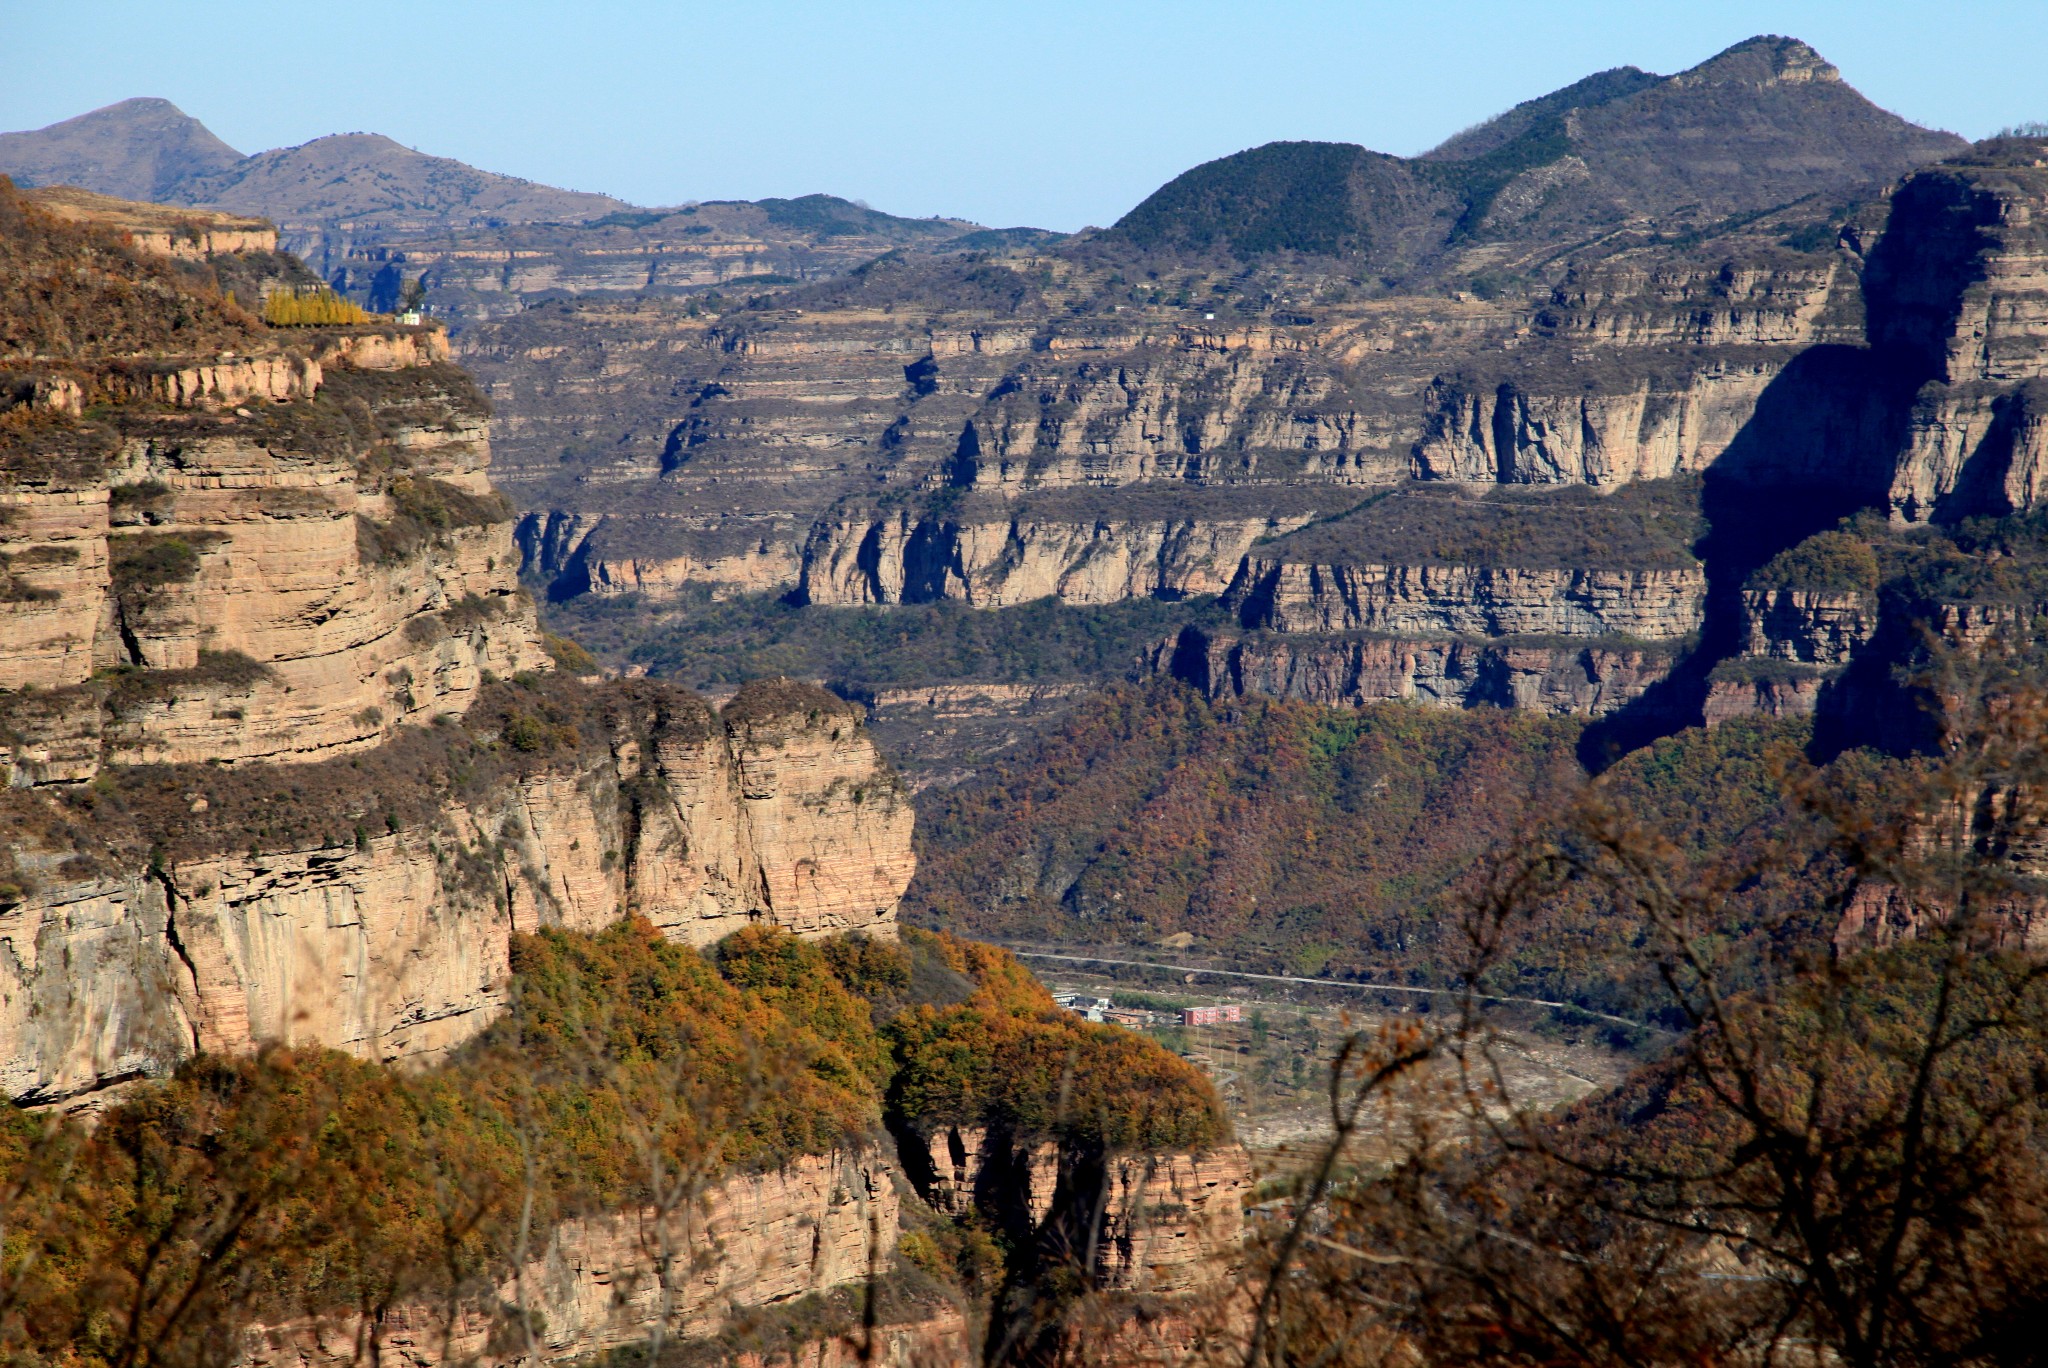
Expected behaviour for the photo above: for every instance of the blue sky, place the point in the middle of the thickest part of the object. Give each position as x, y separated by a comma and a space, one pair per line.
1054, 113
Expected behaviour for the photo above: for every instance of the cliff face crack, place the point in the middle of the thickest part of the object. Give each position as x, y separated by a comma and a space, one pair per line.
131, 644
177, 945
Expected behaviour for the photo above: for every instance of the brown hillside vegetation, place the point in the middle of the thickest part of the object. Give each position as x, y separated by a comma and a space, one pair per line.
307, 1183
1839, 1161
1299, 839
77, 293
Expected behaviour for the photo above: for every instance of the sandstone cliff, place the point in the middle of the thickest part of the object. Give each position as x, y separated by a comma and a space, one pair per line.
1138, 542
755, 1239
1162, 1224
237, 588
371, 910
1479, 601
289, 763
1565, 678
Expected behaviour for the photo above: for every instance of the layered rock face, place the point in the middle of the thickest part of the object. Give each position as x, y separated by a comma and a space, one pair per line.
1465, 600
1163, 1224
1112, 552
278, 549
247, 567
1187, 414
818, 1223
188, 934
1561, 679
236, 608
1056, 425
865, 457
1811, 626
1959, 296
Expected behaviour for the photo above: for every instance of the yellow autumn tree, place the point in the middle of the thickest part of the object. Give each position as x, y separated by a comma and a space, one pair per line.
306, 306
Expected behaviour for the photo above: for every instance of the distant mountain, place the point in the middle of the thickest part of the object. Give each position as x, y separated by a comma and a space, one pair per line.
370, 214
365, 179
137, 150
1765, 123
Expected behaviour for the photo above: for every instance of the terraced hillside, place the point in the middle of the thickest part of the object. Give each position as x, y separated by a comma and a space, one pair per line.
1531, 465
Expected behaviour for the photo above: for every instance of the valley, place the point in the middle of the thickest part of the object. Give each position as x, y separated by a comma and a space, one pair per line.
562, 756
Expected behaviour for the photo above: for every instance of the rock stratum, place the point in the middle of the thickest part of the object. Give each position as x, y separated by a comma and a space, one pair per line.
277, 563
291, 764
1534, 463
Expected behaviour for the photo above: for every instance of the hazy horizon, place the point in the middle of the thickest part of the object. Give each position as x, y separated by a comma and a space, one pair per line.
1056, 114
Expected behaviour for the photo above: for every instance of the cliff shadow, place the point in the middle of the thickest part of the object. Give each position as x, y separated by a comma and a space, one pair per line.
1054, 1260
1820, 446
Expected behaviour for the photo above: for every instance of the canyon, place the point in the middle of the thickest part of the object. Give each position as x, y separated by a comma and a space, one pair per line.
1211, 401
1484, 479
291, 763
295, 759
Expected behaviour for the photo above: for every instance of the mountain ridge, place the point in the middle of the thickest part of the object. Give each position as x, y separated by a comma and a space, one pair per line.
1617, 147
137, 149
371, 215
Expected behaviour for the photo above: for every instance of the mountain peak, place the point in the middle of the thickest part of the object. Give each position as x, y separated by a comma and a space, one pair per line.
1767, 59
367, 177
1764, 123
134, 149
139, 104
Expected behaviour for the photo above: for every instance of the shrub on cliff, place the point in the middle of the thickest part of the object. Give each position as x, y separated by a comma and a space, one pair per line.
76, 291
630, 1072
1009, 1060
305, 1181
1829, 562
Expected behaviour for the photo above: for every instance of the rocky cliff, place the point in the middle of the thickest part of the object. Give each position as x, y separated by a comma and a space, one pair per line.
290, 762
1562, 678
1162, 1224
369, 905
1105, 420
264, 785
755, 1240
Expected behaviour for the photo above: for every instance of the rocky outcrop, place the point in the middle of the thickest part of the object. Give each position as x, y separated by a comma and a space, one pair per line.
1791, 693
250, 567
1469, 600
294, 537
1116, 405
389, 938
1580, 679
1637, 427
1158, 1224
752, 1240
1173, 1223
814, 792
158, 229
1812, 626
1013, 558
1959, 298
